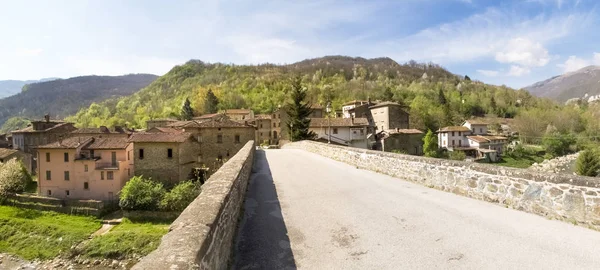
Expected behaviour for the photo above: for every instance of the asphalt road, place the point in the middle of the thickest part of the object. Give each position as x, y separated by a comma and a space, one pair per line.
309, 212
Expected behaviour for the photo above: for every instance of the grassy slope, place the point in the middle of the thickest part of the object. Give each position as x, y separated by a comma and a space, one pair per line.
38, 234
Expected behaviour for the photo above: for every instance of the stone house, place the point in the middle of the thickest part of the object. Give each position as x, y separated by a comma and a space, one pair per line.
473, 139
219, 137
409, 141
40, 133
168, 157
239, 114
346, 107
279, 130
161, 122
381, 117
262, 122
7, 154
84, 168
4, 142
344, 131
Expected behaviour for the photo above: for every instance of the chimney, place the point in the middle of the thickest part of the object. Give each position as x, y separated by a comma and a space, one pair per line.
104, 129
47, 118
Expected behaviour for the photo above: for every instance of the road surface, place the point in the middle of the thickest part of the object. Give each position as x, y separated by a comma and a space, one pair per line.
305, 211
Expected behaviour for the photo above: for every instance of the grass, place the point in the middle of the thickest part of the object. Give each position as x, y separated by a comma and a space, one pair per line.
524, 162
131, 237
35, 234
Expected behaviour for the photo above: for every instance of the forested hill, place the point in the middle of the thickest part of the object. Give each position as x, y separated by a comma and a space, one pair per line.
435, 96
62, 98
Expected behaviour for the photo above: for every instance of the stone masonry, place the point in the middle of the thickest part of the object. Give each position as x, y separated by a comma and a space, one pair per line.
565, 197
202, 236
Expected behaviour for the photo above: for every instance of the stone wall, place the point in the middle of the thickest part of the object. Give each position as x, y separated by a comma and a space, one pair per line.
202, 236
566, 197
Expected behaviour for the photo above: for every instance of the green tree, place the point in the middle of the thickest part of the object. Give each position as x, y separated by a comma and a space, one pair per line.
557, 144
467, 78
430, 144
588, 163
187, 113
14, 123
441, 97
211, 102
141, 194
387, 94
299, 111
13, 177
180, 196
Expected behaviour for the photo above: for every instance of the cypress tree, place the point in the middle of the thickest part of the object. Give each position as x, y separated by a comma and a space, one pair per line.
211, 102
588, 164
430, 144
187, 113
298, 111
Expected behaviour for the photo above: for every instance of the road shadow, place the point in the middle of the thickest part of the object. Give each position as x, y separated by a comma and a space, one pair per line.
262, 241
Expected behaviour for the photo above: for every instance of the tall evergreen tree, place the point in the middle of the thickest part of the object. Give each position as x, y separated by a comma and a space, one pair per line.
187, 113
211, 102
298, 111
430, 144
588, 164
441, 97
387, 94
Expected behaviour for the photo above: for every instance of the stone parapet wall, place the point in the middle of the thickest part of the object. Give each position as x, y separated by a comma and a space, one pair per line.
202, 236
557, 196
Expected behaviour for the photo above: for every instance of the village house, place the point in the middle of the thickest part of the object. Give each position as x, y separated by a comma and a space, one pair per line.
40, 133
160, 122
239, 114
346, 107
7, 154
344, 131
4, 142
262, 122
473, 139
408, 141
84, 168
164, 154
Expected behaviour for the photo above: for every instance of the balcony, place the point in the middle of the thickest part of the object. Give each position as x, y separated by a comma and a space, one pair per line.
107, 166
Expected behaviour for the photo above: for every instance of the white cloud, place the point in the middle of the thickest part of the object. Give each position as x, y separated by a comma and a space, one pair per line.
524, 52
518, 71
575, 63
28, 52
488, 73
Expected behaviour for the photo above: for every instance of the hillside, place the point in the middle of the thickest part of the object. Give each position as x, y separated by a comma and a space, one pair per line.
13, 87
337, 78
583, 83
61, 98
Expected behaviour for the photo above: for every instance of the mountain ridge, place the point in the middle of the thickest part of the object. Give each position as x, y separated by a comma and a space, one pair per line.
13, 87
583, 83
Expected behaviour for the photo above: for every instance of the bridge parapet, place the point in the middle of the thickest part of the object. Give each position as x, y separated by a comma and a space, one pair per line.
557, 196
202, 236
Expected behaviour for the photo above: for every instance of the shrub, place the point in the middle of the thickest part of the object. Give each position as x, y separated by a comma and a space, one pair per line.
180, 196
13, 177
457, 155
588, 163
141, 194
557, 144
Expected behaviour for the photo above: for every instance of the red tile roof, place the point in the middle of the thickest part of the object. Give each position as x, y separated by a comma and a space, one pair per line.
159, 137
100, 130
454, 128
88, 142
164, 130
339, 122
404, 131
485, 139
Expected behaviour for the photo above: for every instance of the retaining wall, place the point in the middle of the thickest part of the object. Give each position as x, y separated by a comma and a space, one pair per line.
202, 236
557, 196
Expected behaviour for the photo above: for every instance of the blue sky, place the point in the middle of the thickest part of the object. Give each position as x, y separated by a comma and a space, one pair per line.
514, 42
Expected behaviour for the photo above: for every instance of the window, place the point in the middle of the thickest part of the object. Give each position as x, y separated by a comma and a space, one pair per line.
49, 192
459, 143
335, 131
261, 125
459, 133
67, 176
128, 172
85, 167
67, 193
260, 134
452, 133
237, 139
141, 154
48, 175
480, 130
452, 142
274, 124
86, 185
219, 138
47, 157
66, 157
101, 175
109, 175
169, 153
127, 156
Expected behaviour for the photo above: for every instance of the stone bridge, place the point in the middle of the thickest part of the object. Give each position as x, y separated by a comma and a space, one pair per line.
317, 206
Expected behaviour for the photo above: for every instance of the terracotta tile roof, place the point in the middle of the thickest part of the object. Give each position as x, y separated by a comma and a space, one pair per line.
108, 143
454, 128
102, 130
67, 143
386, 103
88, 142
165, 130
5, 152
206, 116
159, 137
476, 122
216, 122
262, 116
485, 139
404, 131
30, 128
339, 122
